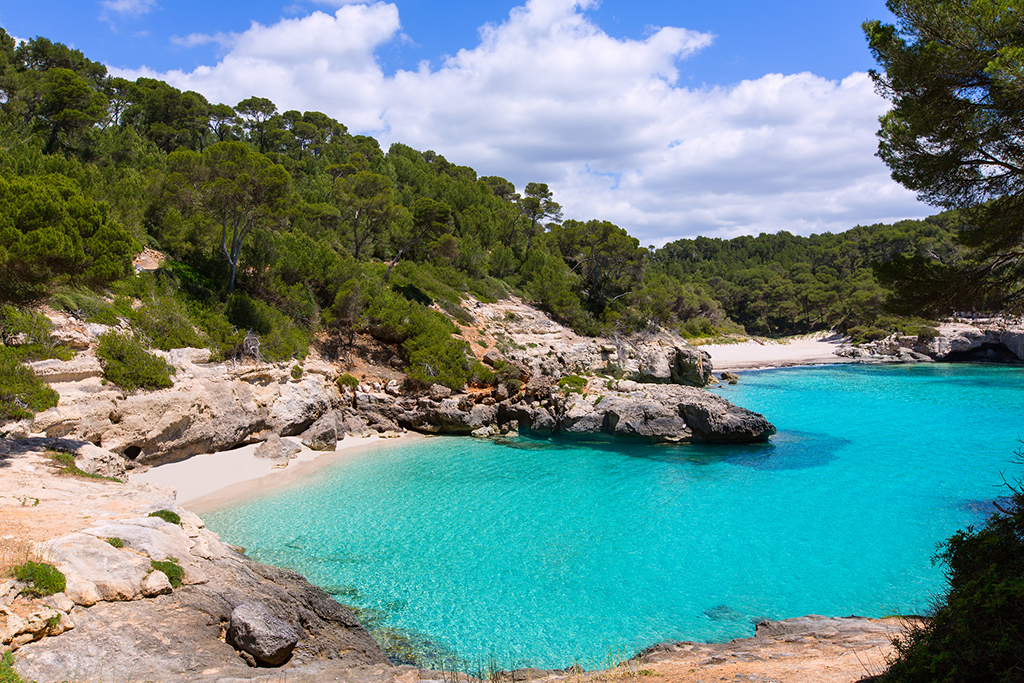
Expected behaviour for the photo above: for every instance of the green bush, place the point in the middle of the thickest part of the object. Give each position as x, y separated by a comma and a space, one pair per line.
347, 380
116, 542
296, 372
21, 392
127, 364
89, 306
166, 322
977, 631
170, 567
45, 579
168, 516
280, 337
573, 384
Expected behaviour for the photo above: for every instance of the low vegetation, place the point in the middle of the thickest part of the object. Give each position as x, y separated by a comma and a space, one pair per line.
170, 567
43, 579
128, 364
168, 516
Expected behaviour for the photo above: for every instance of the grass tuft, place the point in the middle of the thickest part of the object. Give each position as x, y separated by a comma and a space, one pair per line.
167, 516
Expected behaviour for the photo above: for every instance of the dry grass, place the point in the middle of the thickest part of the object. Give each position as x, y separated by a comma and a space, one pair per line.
15, 552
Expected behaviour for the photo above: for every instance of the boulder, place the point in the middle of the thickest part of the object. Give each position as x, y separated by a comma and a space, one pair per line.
156, 583
324, 434
277, 449
99, 461
254, 629
715, 420
97, 571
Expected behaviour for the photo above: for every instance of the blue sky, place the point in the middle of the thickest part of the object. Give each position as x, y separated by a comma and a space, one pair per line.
669, 118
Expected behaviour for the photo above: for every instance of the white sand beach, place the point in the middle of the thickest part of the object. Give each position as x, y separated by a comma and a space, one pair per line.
211, 480
751, 355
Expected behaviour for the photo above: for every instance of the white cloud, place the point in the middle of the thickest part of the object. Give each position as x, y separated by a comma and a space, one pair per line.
130, 7
547, 96
196, 39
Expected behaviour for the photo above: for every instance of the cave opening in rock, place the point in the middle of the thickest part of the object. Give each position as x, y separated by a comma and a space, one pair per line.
986, 353
132, 452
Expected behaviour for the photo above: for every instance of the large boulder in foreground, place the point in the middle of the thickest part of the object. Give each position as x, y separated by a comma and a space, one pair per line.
255, 630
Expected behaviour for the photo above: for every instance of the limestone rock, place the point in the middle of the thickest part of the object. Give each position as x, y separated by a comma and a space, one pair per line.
276, 448
77, 369
324, 434
95, 460
156, 583
254, 629
97, 571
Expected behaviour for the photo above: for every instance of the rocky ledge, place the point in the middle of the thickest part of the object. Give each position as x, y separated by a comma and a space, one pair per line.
216, 407
994, 341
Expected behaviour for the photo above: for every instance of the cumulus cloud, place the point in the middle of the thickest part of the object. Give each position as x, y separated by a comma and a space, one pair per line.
548, 96
129, 7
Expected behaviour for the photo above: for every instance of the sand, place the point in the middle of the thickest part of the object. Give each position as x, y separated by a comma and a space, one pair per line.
751, 355
212, 480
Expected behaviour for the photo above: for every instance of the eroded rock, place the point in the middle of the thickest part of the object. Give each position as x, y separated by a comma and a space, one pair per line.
254, 629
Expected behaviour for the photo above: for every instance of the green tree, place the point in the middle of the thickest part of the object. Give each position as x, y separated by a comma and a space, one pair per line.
235, 186
366, 202
955, 133
51, 233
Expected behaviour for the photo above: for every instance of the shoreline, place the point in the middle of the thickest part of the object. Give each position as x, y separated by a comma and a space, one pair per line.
793, 352
210, 481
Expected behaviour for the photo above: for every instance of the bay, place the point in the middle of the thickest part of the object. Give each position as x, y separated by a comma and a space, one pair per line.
548, 552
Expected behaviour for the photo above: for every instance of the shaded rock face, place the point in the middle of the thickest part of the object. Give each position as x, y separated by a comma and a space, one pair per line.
255, 630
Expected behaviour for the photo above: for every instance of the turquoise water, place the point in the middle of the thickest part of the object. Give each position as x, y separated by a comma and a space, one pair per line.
547, 553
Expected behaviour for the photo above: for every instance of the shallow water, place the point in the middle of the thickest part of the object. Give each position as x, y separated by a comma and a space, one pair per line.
547, 553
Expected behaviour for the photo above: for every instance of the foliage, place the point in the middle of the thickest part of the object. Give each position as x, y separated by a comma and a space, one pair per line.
170, 567
168, 516
977, 630
573, 384
347, 380
115, 541
129, 365
21, 392
952, 70
296, 372
7, 672
45, 579
50, 232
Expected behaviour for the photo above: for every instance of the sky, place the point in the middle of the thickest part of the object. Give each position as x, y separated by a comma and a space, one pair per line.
669, 118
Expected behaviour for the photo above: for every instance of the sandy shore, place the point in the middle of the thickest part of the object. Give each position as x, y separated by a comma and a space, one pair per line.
206, 482
751, 355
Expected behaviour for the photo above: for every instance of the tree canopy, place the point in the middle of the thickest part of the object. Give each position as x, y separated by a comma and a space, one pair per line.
955, 135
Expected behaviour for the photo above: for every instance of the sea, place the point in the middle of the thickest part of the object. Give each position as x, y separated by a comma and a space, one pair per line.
550, 552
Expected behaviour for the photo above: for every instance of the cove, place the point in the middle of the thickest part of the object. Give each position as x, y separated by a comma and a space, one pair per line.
551, 552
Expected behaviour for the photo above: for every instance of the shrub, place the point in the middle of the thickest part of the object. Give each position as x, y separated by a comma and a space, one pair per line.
573, 384
21, 392
170, 567
296, 372
976, 631
168, 516
166, 322
128, 365
347, 380
280, 337
116, 542
45, 579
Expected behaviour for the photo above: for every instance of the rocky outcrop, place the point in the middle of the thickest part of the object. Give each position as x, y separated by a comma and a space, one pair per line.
209, 409
657, 413
229, 615
994, 342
